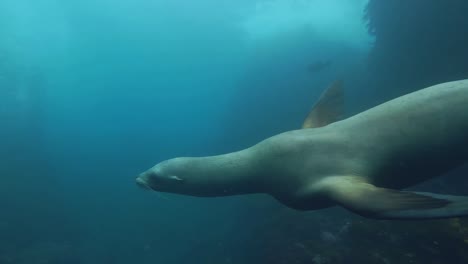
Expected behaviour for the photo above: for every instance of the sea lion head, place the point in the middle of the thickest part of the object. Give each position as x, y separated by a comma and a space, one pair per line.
210, 176
164, 177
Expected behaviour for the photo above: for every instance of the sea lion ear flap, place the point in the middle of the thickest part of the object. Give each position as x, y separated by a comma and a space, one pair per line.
328, 108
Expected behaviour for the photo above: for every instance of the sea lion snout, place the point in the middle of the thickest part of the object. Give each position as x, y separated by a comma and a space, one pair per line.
142, 183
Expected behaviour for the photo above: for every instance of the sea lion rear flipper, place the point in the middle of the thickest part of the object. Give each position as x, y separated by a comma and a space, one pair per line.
365, 199
328, 108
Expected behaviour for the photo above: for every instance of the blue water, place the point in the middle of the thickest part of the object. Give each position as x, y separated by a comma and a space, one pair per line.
93, 92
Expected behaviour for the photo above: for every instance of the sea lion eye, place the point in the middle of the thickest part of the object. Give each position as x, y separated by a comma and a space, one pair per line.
176, 178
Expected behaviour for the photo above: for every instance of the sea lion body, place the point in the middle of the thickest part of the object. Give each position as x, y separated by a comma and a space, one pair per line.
414, 137
394, 145
357, 163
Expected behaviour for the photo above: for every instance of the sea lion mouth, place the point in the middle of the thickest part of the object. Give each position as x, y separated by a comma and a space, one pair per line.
142, 184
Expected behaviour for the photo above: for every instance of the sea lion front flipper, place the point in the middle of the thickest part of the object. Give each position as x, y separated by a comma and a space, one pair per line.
365, 199
328, 108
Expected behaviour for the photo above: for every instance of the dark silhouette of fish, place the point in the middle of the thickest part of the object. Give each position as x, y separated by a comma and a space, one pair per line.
318, 66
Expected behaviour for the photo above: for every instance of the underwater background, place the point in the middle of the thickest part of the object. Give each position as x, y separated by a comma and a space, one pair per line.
94, 92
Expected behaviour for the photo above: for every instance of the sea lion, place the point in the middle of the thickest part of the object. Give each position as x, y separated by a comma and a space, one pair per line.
359, 163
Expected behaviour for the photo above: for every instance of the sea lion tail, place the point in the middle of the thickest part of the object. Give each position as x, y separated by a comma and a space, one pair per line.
367, 200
